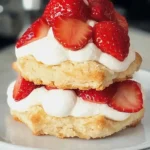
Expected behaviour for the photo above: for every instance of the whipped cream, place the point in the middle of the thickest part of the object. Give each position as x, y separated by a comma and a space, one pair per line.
62, 103
115, 64
46, 50
91, 23
50, 52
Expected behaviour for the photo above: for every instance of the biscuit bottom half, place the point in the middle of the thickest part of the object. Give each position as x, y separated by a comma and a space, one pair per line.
65, 127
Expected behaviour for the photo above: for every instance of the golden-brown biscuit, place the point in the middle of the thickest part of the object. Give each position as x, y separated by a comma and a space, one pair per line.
90, 127
71, 75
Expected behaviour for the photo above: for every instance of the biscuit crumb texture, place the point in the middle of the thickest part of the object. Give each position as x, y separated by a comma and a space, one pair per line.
84, 127
71, 75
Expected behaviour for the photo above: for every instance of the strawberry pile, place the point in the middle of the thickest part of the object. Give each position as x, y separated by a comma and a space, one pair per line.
68, 19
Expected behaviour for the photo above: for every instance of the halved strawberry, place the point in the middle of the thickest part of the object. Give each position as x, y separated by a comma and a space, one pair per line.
22, 88
121, 21
102, 97
111, 38
37, 30
68, 8
72, 33
128, 97
101, 10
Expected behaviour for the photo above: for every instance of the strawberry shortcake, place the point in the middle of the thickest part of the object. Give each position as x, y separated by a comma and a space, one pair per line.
75, 69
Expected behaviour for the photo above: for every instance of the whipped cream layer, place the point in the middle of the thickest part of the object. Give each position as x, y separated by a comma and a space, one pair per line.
62, 103
50, 52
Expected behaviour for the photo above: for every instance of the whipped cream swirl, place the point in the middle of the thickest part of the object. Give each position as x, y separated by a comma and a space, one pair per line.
50, 52
63, 103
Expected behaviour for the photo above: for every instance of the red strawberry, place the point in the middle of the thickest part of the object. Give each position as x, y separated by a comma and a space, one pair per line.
72, 33
111, 38
128, 97
68, 8
37, 30
97, 96
123, 96
121, 21
101, 10
22, 88
49, 87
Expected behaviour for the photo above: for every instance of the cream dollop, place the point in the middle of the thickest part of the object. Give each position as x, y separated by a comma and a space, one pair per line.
59, 102
62, 103
91, 23
50, 52
86, 109
115, 64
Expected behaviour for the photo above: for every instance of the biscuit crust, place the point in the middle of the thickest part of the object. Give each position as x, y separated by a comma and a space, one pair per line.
71, 75
84, 127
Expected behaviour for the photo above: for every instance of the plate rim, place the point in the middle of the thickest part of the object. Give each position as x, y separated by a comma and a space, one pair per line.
8, 145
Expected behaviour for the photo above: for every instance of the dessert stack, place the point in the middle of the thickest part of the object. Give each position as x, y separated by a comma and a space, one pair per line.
75, 69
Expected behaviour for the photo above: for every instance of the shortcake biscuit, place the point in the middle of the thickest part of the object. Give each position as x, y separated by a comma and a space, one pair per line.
72, 75
64, 127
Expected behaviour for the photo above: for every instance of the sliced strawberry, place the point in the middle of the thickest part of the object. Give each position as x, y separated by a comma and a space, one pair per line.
101, 10
121, 21
111, 38
72, 33
37, 30
128, 97
97, 96
22, 88
123, 96
68, 8
49, 87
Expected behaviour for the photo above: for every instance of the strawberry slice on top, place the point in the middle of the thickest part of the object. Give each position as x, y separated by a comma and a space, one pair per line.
22, 88
128, 97
121, 20
112, 39
67, 8
101, 10
37, 30
72, 33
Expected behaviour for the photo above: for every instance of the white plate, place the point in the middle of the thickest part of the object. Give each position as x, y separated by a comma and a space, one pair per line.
13, 133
